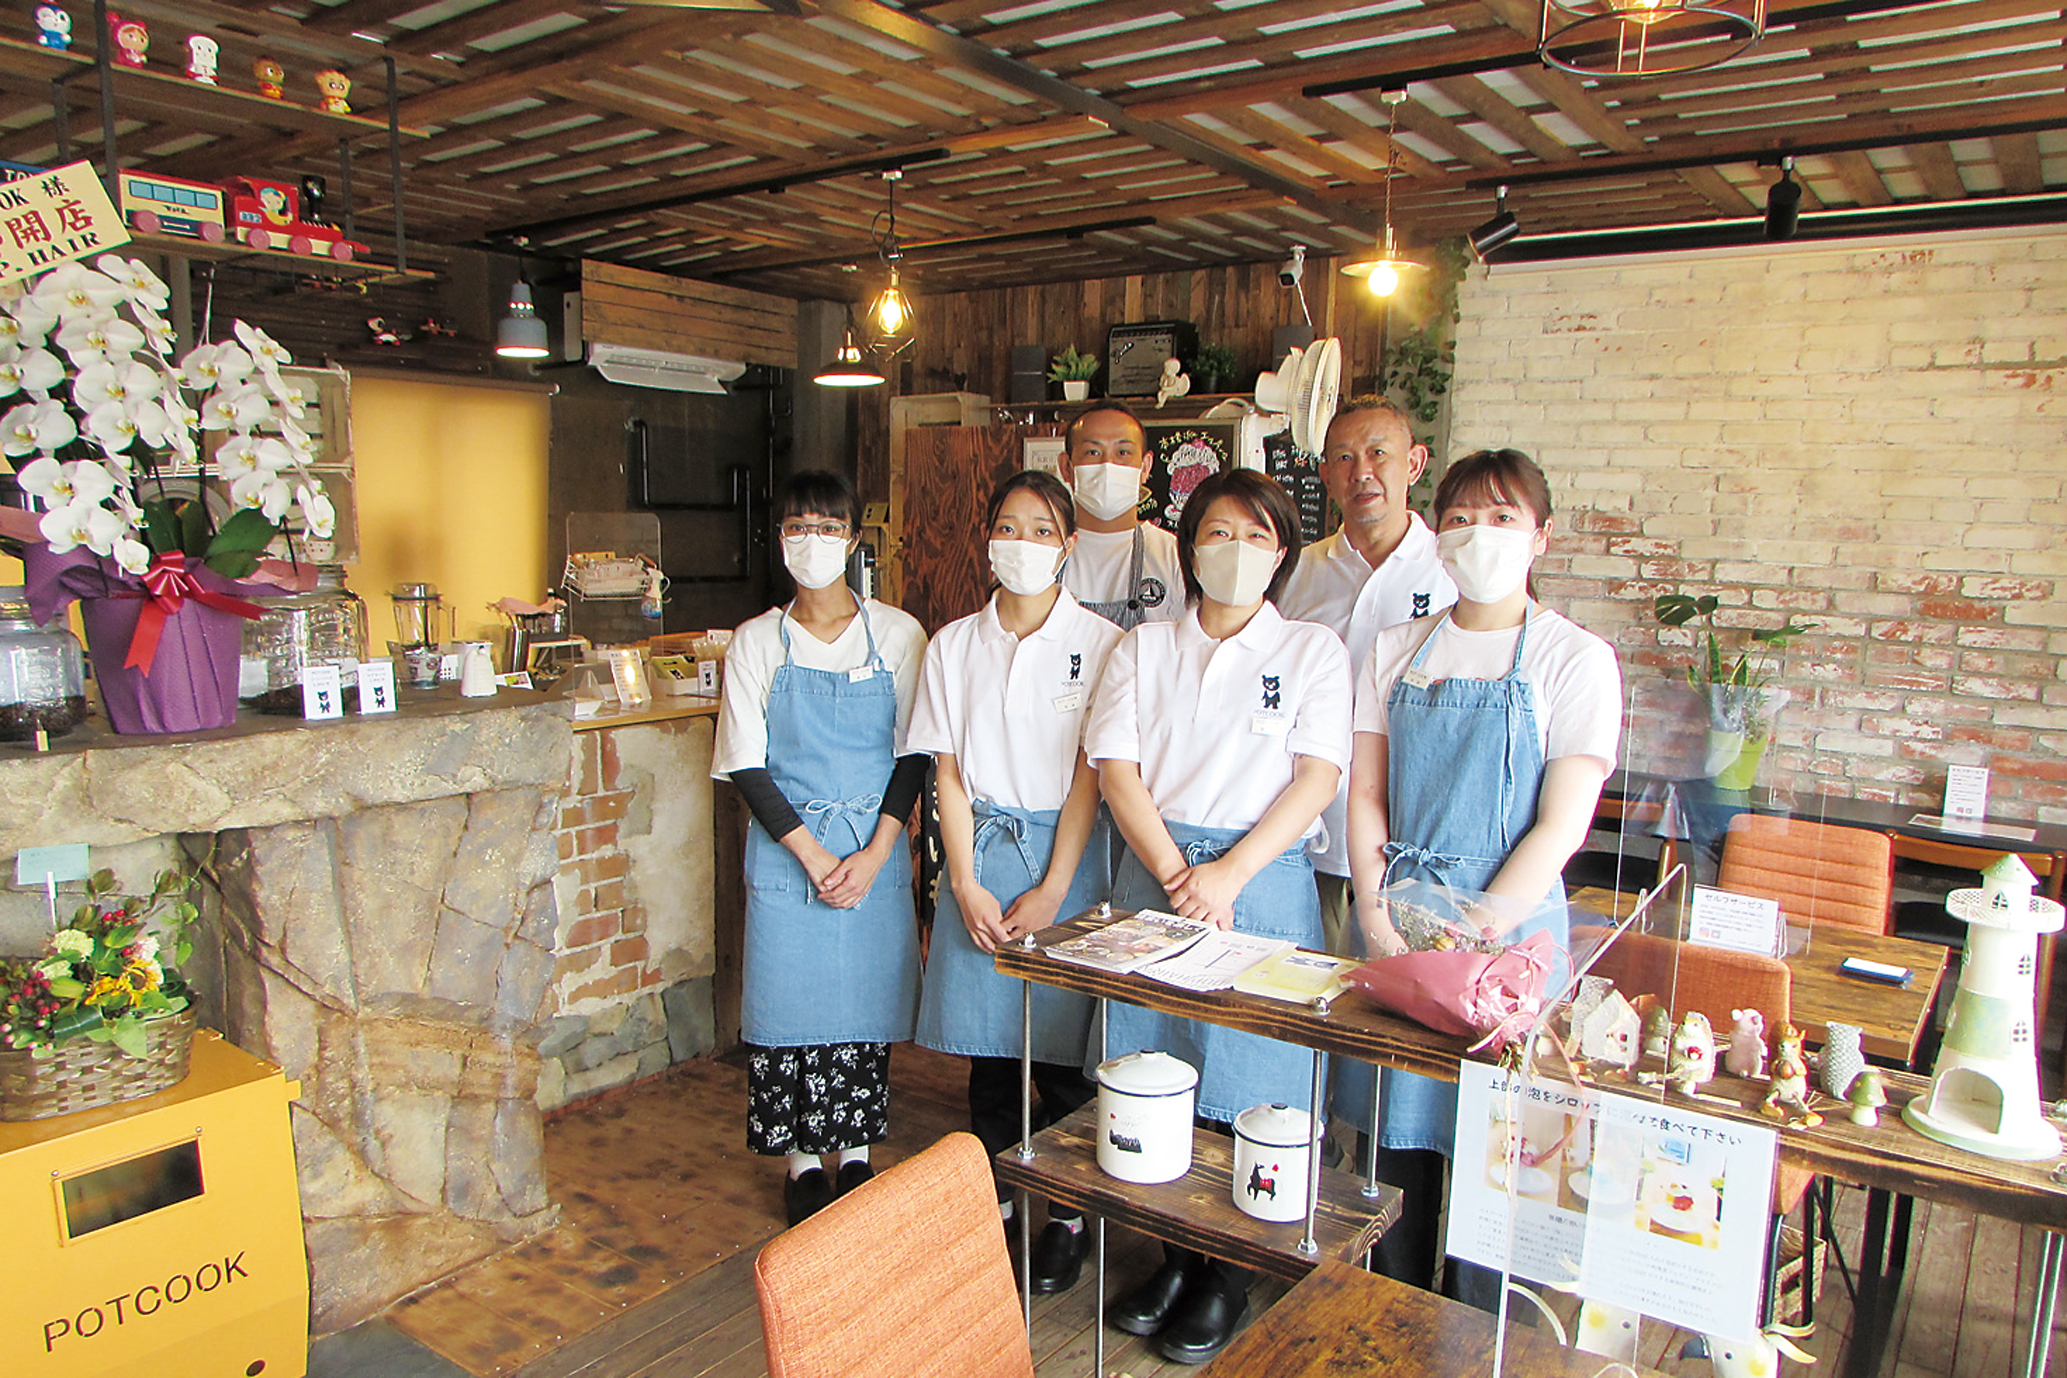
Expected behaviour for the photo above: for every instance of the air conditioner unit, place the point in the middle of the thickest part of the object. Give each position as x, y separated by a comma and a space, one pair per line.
655, 368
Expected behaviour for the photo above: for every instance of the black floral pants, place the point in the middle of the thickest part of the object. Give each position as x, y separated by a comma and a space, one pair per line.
817, 1099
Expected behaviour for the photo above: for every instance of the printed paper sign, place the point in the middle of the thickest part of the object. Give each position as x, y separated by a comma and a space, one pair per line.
1647, 1206
1966, 792
322, 692
54, 217
1747, 923
1043, 453
376, 686
39, 865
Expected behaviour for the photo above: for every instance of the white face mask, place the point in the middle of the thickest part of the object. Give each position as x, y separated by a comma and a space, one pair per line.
1234, 572
1487, 562
1025, 567
814, 561
1107, 491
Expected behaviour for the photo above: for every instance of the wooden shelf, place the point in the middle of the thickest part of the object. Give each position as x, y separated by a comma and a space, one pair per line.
359, 270
1197, 1211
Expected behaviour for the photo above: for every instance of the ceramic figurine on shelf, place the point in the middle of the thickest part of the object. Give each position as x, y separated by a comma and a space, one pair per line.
1787, 1094
435, 329
377, 327
1747, 1054
271, 78
1657, 1031
1692, 1064
1174, 382
334, 86
1842, 1057
53, 27
132, 40
1868, 1094
203, 53
1610, 1032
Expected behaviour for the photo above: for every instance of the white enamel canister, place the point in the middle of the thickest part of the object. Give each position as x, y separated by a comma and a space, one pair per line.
1144, 1116
1271, 1155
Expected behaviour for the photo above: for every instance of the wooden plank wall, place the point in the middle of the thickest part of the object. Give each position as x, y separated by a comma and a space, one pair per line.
946, 560
963, 340
625, 306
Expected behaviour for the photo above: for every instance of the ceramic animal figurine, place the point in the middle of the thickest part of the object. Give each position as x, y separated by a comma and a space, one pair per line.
1842, 1058
132, 40
271, 78
1757, 1357
377, 327
203, 53
334, 86
1692, 1063
1657, 1031
1173, 383
1868, 1094
1787, 1094
53, 27
1747, 1054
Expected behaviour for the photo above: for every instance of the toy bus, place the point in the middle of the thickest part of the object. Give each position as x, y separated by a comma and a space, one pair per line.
252, 211
153, 204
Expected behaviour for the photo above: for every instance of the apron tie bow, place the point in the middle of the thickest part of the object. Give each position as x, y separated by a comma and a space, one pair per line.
168, 585
993, 820
1396, 852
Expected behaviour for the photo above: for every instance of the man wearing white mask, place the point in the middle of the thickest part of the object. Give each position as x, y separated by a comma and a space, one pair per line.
1482, 740
1123, 569
811, 730
1378, 570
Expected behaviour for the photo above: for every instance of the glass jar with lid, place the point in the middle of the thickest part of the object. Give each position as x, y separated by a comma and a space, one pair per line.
42, 674
324, 626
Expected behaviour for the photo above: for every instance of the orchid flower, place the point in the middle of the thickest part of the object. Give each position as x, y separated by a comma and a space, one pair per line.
98, 336
116, 425
37, 428
24, 324
127, 381
139, 283
291, 393
316, 511
67, 290
133, 555
266, 350
217, 365
34, 369
264, 490
234, 407
157, 331
81, 523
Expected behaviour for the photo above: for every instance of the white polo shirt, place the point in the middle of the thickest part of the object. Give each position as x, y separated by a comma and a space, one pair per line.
1097, 571
1337, 588
1577, 681
756, 653
1011, 710
1214, 725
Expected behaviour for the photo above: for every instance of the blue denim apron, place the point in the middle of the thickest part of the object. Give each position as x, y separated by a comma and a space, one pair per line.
1464, 769
815, 974
967, 1008
1236, 1070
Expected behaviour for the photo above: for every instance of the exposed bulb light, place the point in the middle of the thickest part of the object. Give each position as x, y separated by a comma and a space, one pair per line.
521, 335
1638, 38
1382, 270
892, 310
847, 369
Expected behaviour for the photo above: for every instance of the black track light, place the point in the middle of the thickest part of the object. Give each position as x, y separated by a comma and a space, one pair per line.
1497, 231
1783, 204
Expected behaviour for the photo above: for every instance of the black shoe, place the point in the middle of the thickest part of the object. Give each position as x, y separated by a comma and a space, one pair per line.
1058, 1256
1144, 1310
805, 1196
1213, 1309
853, 1175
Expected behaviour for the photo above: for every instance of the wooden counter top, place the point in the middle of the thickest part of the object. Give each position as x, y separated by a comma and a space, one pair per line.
664, 709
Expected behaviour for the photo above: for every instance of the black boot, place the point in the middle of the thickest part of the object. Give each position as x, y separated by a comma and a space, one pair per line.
1058, 1257
1144, 1310
1214, 1306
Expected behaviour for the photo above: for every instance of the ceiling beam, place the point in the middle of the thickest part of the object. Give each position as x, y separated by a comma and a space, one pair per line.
918, 32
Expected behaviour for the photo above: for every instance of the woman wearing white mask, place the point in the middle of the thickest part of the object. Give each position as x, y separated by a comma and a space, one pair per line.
1218, 740
1482, 740
1002, 703
1123, 569
811, 730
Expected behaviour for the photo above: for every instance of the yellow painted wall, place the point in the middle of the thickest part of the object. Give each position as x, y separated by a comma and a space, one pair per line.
452, 491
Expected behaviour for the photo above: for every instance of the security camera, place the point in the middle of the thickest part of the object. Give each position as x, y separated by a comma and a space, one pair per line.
1291, 269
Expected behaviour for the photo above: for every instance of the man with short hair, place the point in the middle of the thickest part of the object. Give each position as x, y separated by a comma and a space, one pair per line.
1123, 569
1378, 570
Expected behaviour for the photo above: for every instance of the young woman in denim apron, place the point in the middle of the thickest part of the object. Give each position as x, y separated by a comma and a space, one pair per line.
1482, 743
816, 698
1218, 740
1002, 703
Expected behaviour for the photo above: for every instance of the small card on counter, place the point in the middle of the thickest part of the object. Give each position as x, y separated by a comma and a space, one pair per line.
520, 679
1973, 827
1747, 923
1966, 792
322, 692
51, 865
376, 686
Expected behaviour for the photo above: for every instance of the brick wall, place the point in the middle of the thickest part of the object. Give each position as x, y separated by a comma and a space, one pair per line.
1874, 439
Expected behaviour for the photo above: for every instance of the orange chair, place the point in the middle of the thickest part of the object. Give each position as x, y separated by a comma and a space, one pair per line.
904, 1278
1819, 872
1688, 976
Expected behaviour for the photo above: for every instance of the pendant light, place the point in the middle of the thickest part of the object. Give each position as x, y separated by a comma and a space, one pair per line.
1644, 38
521, 335
1382, 271
847, 370
890, 313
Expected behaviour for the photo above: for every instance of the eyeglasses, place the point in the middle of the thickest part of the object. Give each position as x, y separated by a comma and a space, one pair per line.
833, 530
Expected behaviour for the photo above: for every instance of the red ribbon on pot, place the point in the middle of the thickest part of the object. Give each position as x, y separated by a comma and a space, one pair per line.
169, 585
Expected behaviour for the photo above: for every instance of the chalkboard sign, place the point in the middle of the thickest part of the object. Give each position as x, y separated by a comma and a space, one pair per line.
1183, 454
1300, 474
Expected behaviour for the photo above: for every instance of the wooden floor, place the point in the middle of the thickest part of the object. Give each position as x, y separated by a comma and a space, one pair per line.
650, 1272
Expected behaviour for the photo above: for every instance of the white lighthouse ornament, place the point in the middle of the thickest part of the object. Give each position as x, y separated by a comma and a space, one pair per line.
1984, 1091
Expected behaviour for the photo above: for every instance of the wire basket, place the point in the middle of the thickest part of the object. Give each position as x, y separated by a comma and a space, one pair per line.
84, 1074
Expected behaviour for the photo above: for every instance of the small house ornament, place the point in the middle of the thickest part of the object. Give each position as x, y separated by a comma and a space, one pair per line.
1611, 1032
203, 53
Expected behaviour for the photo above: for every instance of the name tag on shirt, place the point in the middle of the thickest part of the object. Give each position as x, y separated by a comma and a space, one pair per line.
860, 673
1069, 703
1268, 724
1417, 679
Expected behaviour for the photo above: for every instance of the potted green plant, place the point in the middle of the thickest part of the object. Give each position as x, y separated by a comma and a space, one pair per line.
1213, 368
1743, 702
1074, 371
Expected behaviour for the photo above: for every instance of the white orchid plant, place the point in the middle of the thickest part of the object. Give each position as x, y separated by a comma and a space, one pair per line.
95, 432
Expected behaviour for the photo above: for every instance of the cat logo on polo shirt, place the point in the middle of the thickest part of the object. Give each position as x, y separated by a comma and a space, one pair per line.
1270, 691
1076, 667
1420, 605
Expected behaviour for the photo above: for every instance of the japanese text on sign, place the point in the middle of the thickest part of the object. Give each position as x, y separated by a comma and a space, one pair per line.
54, 217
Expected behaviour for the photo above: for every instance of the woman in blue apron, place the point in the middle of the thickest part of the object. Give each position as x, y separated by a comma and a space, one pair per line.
1482, 742
816, 699
1218, 740
1002, 703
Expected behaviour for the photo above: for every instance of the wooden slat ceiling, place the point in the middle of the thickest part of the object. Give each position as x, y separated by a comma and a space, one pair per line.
1058, 139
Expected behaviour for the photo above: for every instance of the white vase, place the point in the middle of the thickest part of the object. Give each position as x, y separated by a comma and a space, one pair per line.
1843, 1059
1076, 389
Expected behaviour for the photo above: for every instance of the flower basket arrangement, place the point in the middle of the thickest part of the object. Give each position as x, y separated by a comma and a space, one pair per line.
101, 430
99, 1017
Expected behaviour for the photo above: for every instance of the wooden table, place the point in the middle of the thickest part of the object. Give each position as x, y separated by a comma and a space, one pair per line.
1342, 1320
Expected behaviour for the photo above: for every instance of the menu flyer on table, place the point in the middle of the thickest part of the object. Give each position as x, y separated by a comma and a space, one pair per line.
1648, 1206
